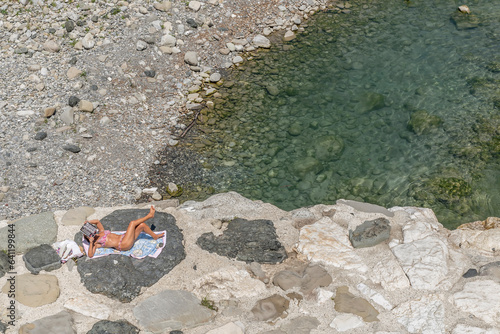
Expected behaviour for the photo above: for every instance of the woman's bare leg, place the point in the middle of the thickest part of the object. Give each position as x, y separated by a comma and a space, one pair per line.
145, 228
130, 234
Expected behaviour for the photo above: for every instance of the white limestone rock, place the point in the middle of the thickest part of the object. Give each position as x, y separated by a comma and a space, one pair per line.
88, 41
88, 307
464, 329
228, 283
424, 315
345, 322
390, 275
328, 243
482, 299
485, 242
229, 328
424, 254
261, 42
374, 296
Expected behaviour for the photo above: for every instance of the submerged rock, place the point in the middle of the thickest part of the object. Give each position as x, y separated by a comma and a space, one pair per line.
302, 167
464, 20
328, 148
371, 101
421, 122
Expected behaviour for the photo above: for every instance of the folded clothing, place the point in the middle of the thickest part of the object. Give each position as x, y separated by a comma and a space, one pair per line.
67, 249
144, 246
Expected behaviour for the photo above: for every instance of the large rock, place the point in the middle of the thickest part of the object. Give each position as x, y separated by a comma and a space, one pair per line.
481, 299
226, 206
308, 165
111, 327
246, 240
31, 231
43, 257
424, 254
174, 309
261, 41
390, 275
228, 283
34, 291
424, 315
464, 21
326, 242
421, 122
483, 238
370, 233
121, 277
60, 323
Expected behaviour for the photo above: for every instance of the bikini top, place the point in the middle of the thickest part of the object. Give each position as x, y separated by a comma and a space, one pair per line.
102, 240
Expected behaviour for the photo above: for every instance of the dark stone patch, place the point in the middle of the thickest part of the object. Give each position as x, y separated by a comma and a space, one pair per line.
370, 233
31, 149
121, 277
3, 327
113, 327
246, 240
192, 23
69, 25
4, 264
470, 273
490, 269
176, 332
72, 148
150, 73
43, 257
73, 100
41, 135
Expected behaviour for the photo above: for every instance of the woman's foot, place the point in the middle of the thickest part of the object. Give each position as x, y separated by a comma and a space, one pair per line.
158, 236
151, 213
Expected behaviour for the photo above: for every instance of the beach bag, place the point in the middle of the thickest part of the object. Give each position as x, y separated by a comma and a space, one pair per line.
89, 230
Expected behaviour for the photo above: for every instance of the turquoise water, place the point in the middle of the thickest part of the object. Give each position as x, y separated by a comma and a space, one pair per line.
394, 103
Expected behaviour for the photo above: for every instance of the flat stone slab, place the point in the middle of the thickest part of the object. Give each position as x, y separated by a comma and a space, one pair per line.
120, 326
246, 240
31, 231
346, 302
171, 309
122, 277
370, 233
43, 257
88, 306
311, 278
271, 308
35, 290
60, 323
366, 207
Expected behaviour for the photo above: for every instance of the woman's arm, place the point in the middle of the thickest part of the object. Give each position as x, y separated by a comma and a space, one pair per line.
97, 223
91, 247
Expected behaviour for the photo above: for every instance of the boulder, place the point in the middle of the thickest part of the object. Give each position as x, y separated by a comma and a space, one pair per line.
121, 277
370, 233
246, 240
60, 323
31, 231
42, 257
111, 327
174, 309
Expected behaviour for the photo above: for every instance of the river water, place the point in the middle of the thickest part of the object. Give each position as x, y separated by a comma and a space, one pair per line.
395, 103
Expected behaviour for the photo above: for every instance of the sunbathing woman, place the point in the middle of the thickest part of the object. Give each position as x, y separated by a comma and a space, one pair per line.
124, 241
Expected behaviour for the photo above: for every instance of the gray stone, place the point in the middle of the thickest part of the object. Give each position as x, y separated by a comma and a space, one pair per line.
470, 273
261, 41
67, 115
31, 232
328, 148
464, 21
191, 58
43, 257
174, 309
371, 101
141, 45
3, 327
370, 233
73, 100
121, 277
69, 25
244, 240
490, 269
301, 325
271, 308
214, 77
163, 6
366, 207
71, 148
112, 327
302, 167
4, 264
51, 46
60, 323
41, 135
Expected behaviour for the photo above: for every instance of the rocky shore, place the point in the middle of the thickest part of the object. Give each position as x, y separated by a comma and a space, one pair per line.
232, 265
92, 90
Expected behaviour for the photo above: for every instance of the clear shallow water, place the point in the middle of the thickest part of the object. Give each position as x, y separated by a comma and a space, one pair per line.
392, 104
